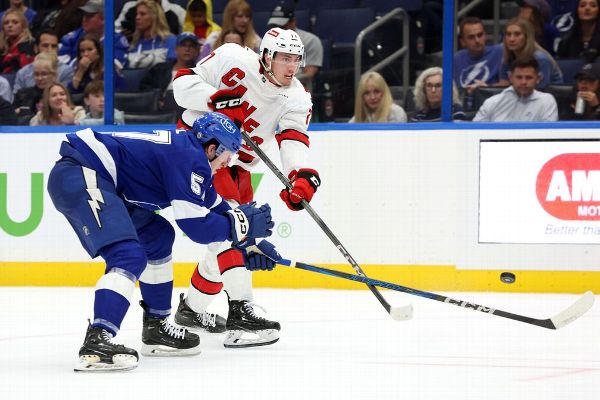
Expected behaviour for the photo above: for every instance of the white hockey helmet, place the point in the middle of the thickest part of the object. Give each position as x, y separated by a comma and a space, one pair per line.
281, 40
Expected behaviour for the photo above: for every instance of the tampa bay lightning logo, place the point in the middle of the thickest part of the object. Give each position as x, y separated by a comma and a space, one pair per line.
564, 22
478, 71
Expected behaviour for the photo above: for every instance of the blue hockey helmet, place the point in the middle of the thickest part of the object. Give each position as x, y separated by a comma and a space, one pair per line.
214, 125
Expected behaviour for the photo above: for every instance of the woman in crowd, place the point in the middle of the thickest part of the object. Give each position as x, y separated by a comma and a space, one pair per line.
583, 40
28, 100
373, 102
57, 108
19, 5
428, 97
519, 41
152, 42
90, 63
16, 42
237, 16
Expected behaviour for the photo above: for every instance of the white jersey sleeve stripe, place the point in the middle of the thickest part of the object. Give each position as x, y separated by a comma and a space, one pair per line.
87, 135
184, 209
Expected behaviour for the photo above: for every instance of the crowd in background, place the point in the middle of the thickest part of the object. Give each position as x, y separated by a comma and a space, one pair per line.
52, 61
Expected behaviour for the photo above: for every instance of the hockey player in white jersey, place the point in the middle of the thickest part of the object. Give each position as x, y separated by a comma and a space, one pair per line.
109, 187
261, 93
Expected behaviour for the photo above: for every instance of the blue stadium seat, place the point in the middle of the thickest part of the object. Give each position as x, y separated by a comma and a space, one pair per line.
132, 78
219, 6
138, 102
315, 5
10, 78
260, 20
218, 18
382, 7
326, 54
263, 5
354, 20
569, 68
303, 20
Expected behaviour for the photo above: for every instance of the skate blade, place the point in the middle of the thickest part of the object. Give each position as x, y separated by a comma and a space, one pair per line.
121, 362
239, 338
154, 350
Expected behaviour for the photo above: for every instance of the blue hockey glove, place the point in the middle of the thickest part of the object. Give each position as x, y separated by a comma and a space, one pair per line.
249, 222
261, 256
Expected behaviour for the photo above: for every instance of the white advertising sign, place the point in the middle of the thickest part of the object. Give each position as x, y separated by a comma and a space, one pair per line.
539, 191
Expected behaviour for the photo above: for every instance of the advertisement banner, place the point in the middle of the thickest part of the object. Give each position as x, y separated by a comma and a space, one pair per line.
539, 191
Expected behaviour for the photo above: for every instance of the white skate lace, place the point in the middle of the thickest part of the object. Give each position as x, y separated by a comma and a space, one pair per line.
172, 330
209, 319
249, 308
108, 337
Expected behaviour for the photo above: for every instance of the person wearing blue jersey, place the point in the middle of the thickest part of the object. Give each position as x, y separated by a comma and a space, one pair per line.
109, 186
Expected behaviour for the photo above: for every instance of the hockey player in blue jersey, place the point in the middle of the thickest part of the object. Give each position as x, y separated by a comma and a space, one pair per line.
109, 186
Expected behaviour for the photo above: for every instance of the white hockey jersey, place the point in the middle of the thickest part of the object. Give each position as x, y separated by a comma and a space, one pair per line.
271, 112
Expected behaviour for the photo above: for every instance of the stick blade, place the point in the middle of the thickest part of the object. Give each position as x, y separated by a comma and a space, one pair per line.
403, 313
576, 310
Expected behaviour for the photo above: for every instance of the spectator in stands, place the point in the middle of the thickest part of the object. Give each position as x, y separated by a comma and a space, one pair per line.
152, 42
7, 113
93, 97
538, 12
587, 88
519, 42
476, 64
5, 89
236, 16
45, 41
161, 75
174, 17
16, 42
199, 19
520, 101
19, 5
428, 97
92, 23
27, 101
229, 36
62, 16
90, 65
283, 17
583, 40
373, 101
57, 108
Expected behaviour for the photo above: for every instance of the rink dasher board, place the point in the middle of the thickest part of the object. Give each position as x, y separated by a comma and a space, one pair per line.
411, 207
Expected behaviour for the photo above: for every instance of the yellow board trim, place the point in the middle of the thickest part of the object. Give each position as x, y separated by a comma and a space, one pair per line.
425, 277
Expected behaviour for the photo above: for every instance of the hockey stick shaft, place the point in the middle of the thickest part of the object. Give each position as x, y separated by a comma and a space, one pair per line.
567, 316
317, 218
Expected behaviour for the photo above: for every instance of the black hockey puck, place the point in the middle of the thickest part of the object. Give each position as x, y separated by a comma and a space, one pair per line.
508, 277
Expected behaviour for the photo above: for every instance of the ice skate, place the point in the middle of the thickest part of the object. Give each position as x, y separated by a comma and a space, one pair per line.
246, 329
99, 354
208, 322
160, 338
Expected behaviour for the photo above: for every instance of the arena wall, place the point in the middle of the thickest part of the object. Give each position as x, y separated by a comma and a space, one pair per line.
437, 209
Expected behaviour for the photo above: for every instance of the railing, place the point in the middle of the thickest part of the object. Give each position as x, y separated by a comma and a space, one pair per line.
401, 52
496, 8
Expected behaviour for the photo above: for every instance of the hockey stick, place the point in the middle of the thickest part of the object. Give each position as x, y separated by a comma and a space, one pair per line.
565, 317
397, 313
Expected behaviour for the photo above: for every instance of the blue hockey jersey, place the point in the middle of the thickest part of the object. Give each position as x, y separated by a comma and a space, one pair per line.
157, 170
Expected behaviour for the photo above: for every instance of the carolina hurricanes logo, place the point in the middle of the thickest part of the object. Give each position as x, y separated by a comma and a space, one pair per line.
568, 186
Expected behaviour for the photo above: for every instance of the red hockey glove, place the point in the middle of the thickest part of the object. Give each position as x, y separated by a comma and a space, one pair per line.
229, 102
304, 185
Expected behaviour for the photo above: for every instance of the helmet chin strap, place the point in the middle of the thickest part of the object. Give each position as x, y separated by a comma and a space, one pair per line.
269, 71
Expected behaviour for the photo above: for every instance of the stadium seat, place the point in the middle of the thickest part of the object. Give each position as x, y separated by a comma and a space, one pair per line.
382, 7
260, 20
569, 68
354, 20
303, 20
165, 118
315, 5
564, 95
409, 101
219, 6
137, 102
77, 98
481, 94
132, 78
218, 18
263, 5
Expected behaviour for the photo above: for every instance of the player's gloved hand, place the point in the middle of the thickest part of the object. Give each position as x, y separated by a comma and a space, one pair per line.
261, 256
249, 222
304, 182
229, 102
